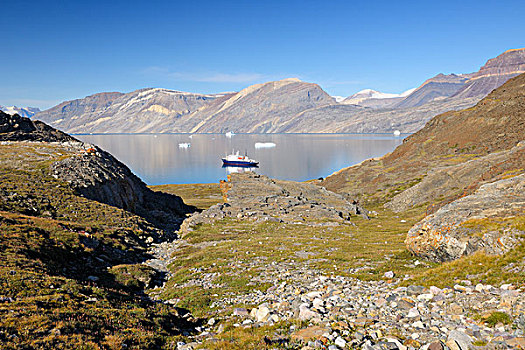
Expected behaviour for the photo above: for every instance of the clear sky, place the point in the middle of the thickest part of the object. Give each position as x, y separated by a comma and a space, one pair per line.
51, 51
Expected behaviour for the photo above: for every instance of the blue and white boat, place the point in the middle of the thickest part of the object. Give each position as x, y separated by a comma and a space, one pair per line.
239, 161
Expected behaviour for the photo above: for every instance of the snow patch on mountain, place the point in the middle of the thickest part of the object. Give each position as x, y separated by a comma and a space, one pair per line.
27, 112
368, 94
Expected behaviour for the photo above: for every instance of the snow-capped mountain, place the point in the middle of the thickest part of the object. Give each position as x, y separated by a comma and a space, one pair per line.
23, 112
368, 94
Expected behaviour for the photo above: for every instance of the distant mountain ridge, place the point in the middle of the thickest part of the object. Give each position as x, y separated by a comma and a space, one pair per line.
144, 110
494, 74
27, 112
438, 87
478, 84
288, 105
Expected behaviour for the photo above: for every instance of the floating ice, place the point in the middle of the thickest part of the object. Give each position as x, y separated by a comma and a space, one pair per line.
264, 145
230, 134
397, 133
184, 145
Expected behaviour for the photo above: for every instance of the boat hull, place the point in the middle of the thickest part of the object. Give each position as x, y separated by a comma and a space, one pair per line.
239, 163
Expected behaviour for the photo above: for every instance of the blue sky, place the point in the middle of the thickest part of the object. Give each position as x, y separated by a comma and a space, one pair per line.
60, 50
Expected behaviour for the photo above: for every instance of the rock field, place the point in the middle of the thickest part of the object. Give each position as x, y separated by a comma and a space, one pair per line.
342, 313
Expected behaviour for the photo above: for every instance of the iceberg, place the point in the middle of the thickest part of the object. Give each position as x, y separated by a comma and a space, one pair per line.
264, 145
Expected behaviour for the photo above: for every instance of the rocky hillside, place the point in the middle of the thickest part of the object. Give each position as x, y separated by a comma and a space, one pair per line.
451, 157
258, 109
75, 228
493, 124
97, 175
16, 128
358, 119
463, 86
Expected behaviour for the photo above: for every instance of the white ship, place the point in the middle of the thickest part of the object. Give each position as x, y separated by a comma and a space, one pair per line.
238, 160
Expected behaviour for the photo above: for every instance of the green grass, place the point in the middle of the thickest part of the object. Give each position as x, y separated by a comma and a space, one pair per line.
239, 251
201, 196
497, 317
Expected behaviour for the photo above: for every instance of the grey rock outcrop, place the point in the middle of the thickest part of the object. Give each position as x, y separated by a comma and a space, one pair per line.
446, 235
258, 198
97, 175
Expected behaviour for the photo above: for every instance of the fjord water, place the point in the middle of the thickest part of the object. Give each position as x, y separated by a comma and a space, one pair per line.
158, 159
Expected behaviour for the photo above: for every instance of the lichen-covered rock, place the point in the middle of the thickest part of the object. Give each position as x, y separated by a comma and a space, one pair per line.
250, 196
444, 235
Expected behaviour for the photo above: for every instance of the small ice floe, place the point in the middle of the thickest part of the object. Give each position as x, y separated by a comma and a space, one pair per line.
184, 145
397, 133
229, 134
264, 145
191, 136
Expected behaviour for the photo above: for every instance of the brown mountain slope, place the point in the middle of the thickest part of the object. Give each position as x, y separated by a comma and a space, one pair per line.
494, 73
495, 124
438, 87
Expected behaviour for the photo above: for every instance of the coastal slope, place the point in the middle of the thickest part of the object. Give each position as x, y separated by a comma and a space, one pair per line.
446, 162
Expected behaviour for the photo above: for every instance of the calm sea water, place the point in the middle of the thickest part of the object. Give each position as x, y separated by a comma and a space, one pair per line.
158, 159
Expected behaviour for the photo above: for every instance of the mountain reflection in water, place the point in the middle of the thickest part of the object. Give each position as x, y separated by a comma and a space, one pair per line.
157, 158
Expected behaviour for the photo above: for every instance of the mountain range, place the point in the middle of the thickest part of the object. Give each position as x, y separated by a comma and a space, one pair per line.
27, 112
288, 105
